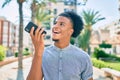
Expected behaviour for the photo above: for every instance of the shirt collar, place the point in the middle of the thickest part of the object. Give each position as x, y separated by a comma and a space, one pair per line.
63, 49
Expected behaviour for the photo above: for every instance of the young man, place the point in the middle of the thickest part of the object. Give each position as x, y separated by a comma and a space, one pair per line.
61, 61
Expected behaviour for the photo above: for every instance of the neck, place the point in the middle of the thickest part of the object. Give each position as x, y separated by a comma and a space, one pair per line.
62, 44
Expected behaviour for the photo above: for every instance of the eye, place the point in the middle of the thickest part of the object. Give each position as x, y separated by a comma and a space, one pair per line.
62, 24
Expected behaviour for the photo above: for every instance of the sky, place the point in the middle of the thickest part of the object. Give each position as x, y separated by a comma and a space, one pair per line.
107, 9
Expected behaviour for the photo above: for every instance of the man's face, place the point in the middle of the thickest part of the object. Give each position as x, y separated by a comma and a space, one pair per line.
62, 29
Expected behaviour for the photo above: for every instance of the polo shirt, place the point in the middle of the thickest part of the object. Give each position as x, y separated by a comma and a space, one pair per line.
70, 63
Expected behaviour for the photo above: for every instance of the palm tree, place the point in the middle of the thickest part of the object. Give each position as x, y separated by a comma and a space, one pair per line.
34, 8
20, 49
90, 17
42, 16
83, 39
38, 12
38, 5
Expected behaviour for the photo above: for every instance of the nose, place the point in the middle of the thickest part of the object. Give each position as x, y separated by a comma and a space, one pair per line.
55, 26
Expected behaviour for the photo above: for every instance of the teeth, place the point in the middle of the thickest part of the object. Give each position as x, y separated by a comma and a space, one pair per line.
56, 32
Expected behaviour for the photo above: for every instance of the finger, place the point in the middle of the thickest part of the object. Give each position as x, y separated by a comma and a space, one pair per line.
40, 33
31, 32
37, 32
42, 37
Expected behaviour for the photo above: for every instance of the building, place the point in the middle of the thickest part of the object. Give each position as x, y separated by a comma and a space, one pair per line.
8, 34
110, 34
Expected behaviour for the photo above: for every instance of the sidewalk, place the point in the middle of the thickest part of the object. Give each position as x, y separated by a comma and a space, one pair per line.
99, 74
11, 72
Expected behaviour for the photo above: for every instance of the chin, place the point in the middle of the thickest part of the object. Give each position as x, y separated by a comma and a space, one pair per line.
56, 40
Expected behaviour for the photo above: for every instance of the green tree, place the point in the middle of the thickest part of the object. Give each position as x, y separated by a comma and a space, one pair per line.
2, 52
20, 49
42, 16
90, 17
38, 7
83, 39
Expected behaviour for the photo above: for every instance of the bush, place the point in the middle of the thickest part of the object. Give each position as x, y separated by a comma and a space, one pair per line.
103, 64
26, 52
98, 53
16, 54
98, 63
105, 45
2, 53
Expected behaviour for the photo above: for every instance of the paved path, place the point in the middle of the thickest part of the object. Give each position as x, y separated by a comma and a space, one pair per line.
11, 72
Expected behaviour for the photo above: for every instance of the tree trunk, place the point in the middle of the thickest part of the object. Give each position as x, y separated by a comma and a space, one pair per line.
20, 49
33, 10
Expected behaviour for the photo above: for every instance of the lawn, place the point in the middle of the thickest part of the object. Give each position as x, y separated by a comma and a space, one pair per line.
110, 64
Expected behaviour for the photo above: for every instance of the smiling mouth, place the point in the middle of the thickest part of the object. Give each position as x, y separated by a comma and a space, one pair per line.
55, 32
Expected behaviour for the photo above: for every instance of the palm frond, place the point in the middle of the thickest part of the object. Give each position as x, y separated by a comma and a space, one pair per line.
42, 16
91, 17
5, 3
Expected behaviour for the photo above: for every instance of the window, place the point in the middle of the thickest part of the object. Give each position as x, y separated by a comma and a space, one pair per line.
55, 11
70, 2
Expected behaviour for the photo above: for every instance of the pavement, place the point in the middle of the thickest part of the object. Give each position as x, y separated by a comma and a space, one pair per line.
11, 72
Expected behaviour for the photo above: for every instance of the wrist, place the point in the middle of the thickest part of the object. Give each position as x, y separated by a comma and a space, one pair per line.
38, 53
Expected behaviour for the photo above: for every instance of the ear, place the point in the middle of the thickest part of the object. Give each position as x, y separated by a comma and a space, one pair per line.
71, 31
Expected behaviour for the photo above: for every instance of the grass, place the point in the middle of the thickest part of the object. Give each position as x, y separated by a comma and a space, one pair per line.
110, 64
114, 65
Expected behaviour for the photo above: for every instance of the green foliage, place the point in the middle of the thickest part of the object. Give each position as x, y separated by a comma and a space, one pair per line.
16, 54
113, 65
105, 45
98, 53
103, 64
2, 53
83, 39
72, 41
43, 16
26, 52
90, 17
98, 63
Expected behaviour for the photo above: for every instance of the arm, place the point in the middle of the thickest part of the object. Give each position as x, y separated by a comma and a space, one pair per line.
36, 67
91, 79
87, 73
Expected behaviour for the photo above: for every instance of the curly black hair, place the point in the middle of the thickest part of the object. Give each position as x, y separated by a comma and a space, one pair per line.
76, 21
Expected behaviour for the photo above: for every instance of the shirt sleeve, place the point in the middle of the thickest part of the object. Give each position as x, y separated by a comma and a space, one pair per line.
87, 72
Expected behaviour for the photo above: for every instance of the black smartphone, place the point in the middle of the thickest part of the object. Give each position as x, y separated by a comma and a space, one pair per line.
30, 25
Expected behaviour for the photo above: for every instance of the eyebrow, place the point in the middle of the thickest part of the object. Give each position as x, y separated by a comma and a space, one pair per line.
60, 22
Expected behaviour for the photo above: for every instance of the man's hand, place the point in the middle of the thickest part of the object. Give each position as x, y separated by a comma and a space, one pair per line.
37, 40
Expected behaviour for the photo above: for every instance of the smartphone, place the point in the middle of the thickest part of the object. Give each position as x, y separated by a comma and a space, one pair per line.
30, 25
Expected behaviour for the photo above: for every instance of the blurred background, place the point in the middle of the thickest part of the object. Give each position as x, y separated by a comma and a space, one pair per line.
100, 37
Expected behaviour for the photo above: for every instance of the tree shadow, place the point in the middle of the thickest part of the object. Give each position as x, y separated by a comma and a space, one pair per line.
20, 75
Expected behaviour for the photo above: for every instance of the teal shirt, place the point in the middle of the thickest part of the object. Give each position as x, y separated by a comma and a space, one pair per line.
70, 63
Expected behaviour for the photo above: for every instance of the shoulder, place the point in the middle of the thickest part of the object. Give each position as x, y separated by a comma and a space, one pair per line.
78, 51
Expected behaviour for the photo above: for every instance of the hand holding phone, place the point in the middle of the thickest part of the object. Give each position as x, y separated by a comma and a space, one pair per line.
30, 25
